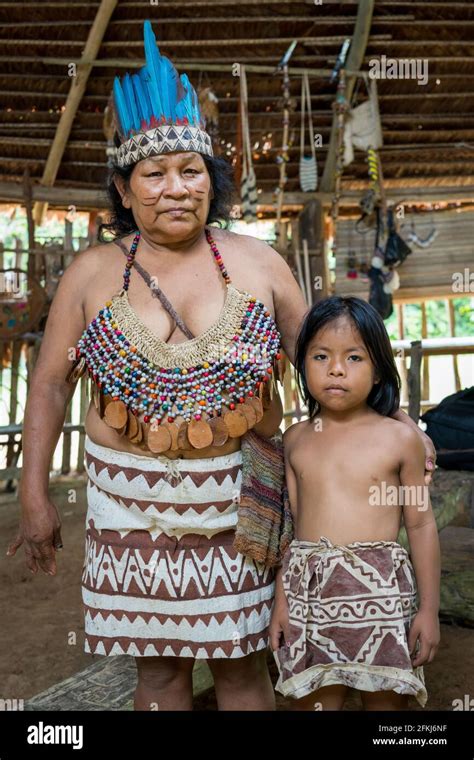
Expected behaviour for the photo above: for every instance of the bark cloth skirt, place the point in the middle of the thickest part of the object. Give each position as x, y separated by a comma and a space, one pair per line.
160, 574
350, 609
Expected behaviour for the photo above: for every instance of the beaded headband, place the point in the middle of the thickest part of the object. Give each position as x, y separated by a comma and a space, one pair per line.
157, 111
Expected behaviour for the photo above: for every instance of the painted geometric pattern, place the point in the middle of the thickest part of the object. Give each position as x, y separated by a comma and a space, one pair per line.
350, 609
162, 577
163, 139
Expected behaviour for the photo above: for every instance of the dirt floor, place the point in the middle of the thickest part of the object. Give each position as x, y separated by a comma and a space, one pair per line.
42, 629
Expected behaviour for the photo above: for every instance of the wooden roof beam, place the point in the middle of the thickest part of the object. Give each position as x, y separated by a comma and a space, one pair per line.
226, 42
86, 198
320, 20
78, 86
116, 63
355, 60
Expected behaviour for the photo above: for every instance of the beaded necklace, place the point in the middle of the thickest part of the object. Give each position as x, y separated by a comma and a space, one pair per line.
213, 383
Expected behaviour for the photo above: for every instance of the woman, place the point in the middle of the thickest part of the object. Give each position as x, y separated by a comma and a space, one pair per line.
162, 579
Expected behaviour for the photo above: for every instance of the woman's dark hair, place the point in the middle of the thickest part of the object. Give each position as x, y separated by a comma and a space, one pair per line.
384, 396
122, 221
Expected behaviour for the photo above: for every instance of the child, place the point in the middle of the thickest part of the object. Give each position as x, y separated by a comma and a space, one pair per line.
345, 594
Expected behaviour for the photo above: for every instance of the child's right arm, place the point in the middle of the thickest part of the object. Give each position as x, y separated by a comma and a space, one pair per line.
280, 623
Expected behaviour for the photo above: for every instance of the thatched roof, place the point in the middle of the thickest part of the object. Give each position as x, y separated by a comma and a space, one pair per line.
428, 129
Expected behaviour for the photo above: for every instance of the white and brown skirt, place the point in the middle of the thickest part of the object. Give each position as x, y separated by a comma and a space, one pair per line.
160, 573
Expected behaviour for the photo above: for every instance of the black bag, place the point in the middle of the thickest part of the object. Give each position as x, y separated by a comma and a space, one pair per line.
450, 425
378, 298
396, 249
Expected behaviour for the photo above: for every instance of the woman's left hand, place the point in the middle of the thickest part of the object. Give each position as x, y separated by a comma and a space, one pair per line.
430, 457
430, 451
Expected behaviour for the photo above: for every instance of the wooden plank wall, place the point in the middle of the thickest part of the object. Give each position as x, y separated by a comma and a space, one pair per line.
426, 272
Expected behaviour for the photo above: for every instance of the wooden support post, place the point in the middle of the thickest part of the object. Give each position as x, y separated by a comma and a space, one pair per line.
311, 229
92, 227
402, 360
76, 91
35, 264
354, 62
84, 405
287, 393
425, 393
414, 384
452, 333
16, 346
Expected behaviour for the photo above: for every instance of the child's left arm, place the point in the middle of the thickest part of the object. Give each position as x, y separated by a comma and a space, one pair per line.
422, 534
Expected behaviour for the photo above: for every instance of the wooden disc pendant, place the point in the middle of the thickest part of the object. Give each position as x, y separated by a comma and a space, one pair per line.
236, 424
116, 414
257, 406
199, 434
183, 442
158, 439
139, 436
172, 427
249, 413
133, 427
220, 434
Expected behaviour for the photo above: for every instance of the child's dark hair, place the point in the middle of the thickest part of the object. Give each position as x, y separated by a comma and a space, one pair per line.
384, 397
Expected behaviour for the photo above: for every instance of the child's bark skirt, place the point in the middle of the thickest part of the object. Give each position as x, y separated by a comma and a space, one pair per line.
160, 576
350, 610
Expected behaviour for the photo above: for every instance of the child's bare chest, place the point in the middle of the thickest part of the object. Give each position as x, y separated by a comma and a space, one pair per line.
343, 460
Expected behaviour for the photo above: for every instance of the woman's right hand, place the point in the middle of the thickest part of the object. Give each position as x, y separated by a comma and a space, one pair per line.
279, 624
40, 533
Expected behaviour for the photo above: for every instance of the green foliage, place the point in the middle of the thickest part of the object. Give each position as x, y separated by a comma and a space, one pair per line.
436, 318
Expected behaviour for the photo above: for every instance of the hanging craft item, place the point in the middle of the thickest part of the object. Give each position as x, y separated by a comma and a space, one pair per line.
396, 249
208, 103
109, 128
308, 165
363, 129
364, 264
22, 303
340, 107
423, 242
378, 296
372, 195
248, 181
283, 156
383, 273
351, 260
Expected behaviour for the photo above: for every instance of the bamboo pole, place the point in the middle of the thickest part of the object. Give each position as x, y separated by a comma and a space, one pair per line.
414, 386
402, 360
355, 60
320, 41
452, 333
188, 20
77, 89
284, 149
426, 365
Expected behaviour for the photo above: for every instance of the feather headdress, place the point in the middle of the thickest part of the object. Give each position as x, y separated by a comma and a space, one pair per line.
157, 111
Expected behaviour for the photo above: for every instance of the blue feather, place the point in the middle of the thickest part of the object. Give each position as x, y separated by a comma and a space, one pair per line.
153, 67
145, 79
155, 91
143, 103
168, 87
130, 98
121, 107
195, 107
184, 108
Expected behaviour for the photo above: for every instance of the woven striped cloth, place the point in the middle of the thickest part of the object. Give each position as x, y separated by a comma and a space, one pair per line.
264, 520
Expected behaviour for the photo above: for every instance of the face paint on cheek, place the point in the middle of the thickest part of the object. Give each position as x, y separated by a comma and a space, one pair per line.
149, 201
